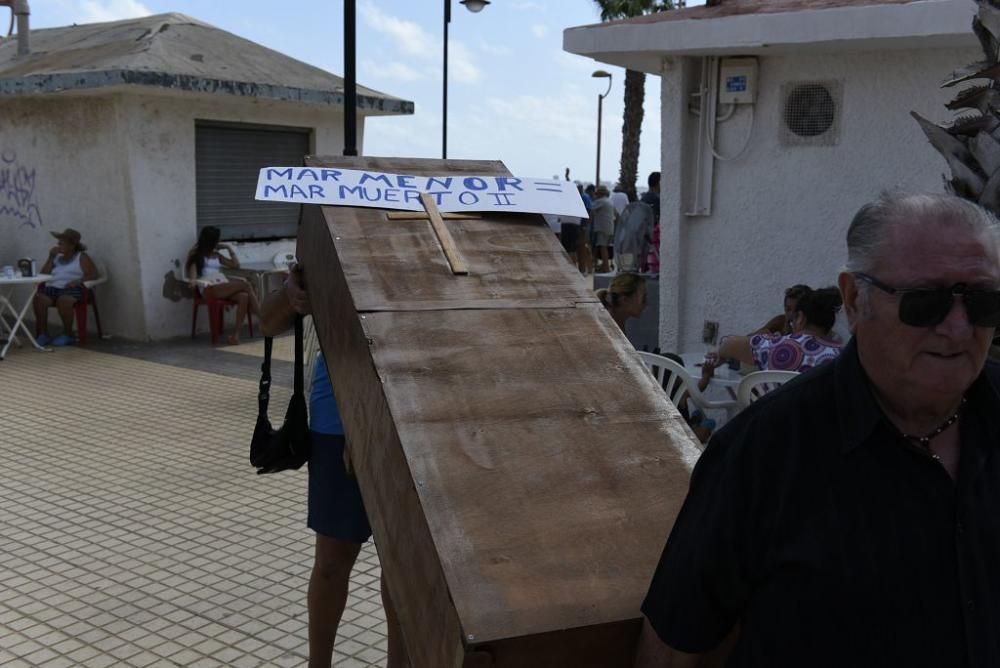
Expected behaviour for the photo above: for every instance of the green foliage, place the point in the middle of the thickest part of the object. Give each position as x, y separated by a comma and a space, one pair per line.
634, 89
970, 144
621, 9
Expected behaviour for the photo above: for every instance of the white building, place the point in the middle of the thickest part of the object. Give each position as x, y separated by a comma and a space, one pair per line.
140, 132
832, 83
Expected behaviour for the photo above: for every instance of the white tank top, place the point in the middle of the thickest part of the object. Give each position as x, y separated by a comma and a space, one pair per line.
65, 271
212, 265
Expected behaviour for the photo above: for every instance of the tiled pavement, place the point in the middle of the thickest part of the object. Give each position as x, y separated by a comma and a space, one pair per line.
133, 531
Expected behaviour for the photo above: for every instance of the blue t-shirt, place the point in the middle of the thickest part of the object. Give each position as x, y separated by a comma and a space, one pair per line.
324, 418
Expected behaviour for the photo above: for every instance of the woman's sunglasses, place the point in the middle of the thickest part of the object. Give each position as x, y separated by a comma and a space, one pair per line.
927, 307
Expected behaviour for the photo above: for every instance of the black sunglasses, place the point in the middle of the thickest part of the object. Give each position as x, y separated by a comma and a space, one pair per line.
926, 307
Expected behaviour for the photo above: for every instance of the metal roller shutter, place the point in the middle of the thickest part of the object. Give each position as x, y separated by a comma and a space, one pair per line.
227, 160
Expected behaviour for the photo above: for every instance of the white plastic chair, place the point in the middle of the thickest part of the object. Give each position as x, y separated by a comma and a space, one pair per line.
757, 384
675, 381
102, 276
282, 259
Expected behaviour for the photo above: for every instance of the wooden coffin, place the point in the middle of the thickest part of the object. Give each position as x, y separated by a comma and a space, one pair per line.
520, 468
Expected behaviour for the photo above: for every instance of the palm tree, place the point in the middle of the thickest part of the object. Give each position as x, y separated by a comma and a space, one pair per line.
971, 144
635, 89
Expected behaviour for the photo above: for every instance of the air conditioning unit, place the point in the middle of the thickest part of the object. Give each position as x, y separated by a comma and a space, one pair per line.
810, 113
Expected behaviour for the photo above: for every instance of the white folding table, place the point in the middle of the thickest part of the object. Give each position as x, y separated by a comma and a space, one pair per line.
260, 273
9, 288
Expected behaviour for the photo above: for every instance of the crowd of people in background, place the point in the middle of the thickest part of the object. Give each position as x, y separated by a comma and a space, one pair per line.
615, 223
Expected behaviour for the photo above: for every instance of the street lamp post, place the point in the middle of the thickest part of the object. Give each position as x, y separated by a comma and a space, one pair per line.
474, 6
350, 80
600, 74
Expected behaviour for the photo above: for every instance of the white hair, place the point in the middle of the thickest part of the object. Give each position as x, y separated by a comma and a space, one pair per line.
868, 233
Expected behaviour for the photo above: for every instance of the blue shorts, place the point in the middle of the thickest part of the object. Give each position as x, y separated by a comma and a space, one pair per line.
56, 293
335, 506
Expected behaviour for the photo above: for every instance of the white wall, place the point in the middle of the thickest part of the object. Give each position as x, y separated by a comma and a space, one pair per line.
161, 163
70, 150
120, 168
780, 214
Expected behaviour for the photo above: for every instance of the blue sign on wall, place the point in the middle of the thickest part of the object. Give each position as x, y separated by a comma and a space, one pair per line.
737, 84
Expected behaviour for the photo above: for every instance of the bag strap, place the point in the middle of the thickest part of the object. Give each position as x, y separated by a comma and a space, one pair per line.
299, 371
264, 393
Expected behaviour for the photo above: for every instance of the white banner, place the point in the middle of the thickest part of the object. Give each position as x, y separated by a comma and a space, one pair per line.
351, 187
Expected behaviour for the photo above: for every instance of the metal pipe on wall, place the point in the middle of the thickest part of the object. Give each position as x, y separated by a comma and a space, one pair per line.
708, 95
22, 11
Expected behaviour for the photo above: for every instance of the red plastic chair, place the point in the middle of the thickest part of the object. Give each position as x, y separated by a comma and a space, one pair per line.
216, 310
88, 297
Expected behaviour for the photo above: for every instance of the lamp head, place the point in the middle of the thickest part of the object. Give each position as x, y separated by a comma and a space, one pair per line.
474, 6
601, 74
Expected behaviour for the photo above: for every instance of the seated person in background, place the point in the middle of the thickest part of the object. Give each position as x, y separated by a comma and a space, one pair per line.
70, 266
810, 343
782, 323
205, 262
625, 297
700, 424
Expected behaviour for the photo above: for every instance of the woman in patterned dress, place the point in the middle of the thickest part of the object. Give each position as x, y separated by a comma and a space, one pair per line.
810, 344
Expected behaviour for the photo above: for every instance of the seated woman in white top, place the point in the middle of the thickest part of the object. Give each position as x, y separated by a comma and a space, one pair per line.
70, 266
810, 344
206, 262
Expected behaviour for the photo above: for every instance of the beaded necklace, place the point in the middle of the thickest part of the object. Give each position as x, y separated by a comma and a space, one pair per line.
925, 441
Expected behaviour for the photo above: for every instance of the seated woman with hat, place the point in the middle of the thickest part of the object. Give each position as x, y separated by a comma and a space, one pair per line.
70, 266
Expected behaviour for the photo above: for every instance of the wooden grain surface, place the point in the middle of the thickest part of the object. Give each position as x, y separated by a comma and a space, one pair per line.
520, 467
539, 447
583, 647
399, 265
444, 238
409, 559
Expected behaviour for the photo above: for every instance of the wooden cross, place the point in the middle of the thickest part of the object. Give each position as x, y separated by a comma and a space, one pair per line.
444, 237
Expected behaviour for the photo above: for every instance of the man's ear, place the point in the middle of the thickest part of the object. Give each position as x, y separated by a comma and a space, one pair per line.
852, 299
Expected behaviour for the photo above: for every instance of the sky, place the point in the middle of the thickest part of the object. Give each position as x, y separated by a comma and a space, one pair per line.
513, 93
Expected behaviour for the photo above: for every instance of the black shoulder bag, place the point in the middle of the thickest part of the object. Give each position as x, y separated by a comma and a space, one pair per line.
287, 448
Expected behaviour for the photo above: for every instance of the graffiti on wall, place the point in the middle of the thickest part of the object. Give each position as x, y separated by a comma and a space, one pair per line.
17, 192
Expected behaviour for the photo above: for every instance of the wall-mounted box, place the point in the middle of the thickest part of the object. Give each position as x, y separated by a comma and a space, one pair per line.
737, 80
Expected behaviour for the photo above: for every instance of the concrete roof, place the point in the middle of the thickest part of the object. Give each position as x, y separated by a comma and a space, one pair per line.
172, 52
764, 27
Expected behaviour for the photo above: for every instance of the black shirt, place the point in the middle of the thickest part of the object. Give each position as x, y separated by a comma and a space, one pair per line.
832, 540
653, 200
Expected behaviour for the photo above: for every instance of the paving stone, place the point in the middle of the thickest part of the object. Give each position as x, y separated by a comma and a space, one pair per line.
147, 527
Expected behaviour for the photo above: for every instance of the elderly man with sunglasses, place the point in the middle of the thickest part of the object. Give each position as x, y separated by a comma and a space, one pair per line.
852, 517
